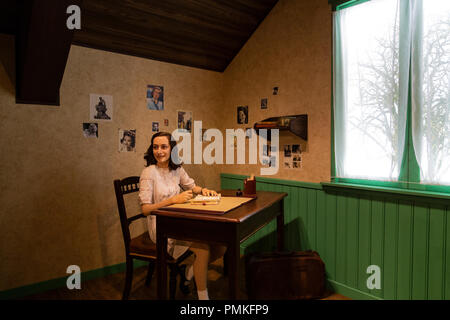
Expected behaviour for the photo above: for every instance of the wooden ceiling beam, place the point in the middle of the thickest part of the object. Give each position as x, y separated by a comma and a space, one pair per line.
42, 48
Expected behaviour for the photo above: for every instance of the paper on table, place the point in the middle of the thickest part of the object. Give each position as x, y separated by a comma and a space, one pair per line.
226, 204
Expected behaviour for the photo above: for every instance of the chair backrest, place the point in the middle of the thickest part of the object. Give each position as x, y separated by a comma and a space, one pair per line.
121, 187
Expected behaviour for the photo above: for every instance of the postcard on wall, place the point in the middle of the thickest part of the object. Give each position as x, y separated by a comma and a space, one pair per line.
101, 107
242, 114
90, 130
155, 97
155, 126
166, 122
127, 140
184, 121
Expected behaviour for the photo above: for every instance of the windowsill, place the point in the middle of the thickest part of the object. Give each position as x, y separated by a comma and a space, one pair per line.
398, 191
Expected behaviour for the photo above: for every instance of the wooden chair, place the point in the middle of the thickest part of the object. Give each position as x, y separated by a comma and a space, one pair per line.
142, 247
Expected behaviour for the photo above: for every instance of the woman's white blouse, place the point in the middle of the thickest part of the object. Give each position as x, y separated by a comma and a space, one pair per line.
158, 184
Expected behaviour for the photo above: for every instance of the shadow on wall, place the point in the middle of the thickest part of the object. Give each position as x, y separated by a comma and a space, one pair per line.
7, 58
295, 239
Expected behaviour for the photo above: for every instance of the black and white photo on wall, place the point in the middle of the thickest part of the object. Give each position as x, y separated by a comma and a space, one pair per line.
275, 91
155, 97
264, 103
155, 126
292, 156
101, 107
127, 140
90, 130
242, 114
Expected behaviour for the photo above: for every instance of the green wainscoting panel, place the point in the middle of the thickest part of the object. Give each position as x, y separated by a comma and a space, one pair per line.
406, 234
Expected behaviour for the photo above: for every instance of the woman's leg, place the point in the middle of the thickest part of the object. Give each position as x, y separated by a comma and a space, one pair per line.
201, 262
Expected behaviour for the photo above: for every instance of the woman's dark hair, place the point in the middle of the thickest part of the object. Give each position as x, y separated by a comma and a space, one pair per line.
151, 158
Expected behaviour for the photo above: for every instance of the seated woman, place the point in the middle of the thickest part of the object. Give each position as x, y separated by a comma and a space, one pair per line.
160, 185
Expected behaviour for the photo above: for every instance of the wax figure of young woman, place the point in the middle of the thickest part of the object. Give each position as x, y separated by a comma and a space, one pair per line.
159, 186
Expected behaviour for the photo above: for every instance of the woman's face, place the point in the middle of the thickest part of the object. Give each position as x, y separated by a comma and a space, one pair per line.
161, 149
241, 116
127, 141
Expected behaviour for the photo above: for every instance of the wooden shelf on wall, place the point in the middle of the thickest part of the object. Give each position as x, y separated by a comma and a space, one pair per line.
297, 124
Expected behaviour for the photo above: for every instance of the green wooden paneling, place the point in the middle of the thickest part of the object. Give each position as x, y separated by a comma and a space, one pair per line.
341, 238
331, 235
389, 271
364, 242
352, 243
420, 253
408, 237
377, 241
404, 262
436, 254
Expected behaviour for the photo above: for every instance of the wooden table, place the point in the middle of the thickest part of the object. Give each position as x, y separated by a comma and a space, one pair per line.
230, 229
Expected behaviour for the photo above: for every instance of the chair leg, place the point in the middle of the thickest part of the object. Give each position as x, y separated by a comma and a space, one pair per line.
172, 281
151, 268
128, 279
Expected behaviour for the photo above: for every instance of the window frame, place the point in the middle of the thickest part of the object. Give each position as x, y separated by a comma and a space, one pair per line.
409, 176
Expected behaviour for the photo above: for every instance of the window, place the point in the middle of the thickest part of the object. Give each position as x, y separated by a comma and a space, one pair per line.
392, 91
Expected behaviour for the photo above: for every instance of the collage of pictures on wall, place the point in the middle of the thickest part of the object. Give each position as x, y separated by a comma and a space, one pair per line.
292, 156
101, 110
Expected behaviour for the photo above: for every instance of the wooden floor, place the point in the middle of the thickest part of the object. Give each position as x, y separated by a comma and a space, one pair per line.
111, 287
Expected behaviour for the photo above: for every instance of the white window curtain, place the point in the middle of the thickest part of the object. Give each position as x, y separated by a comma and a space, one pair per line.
371, 89
430, 67
376, 45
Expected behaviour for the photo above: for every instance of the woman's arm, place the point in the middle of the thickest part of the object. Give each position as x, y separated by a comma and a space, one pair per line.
146, 208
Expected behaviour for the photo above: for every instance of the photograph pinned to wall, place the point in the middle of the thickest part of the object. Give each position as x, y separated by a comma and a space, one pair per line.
101, 107
90, 130
275, 91
242, 114
155, 97
184, 121
166, 122
155, 126
127, 140
292, 156
264, 103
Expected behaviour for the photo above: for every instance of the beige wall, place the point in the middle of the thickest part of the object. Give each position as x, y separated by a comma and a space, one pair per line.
57, 199
291, 49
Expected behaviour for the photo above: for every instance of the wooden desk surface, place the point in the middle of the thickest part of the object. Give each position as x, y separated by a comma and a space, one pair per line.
265, 199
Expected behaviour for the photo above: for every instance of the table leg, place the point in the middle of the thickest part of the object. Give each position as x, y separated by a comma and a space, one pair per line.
161, 265
280, 228
233, 253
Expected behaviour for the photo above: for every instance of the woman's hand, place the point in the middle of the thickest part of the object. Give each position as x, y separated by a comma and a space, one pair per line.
182, 197
207, 192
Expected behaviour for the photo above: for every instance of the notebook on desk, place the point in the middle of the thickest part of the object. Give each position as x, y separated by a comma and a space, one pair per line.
210, 205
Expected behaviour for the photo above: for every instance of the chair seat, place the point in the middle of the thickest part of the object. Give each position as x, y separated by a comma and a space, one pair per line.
143, 246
